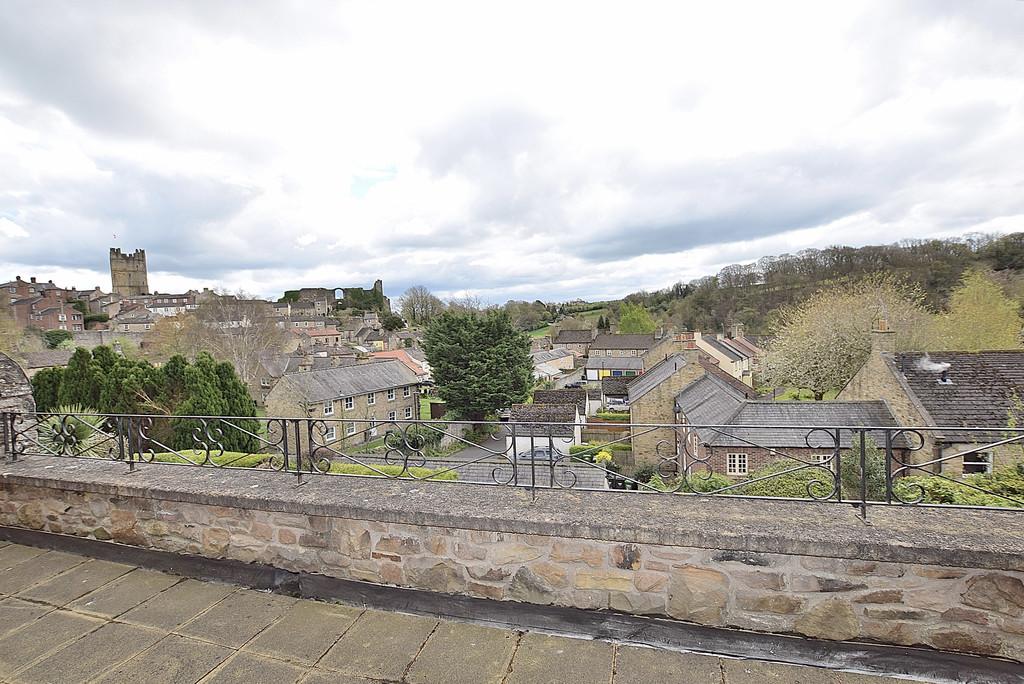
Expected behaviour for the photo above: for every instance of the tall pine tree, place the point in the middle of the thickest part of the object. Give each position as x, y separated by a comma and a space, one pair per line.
238, 433
80, 384
46, 388
480, 362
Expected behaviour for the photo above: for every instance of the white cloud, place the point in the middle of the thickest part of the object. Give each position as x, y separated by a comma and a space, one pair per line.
534, 150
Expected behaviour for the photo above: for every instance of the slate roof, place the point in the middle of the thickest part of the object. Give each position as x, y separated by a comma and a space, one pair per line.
979, 392
573, 337
615, 363
723, 349
48, 358
619, 341
656, 375
769, 418
614, 387
711, 367
544, 413
577, 396
709, 400
348, 381
549, 355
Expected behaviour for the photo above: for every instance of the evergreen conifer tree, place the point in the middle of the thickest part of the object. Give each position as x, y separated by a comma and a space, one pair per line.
46, 388
79, 384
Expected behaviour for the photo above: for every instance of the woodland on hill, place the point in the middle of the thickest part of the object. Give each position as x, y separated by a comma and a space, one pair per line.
751, 294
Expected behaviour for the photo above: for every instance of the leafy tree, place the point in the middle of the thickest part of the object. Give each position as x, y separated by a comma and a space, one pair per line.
239, 437
821, 343
1006, 252
391, 322
203, 398
104, 357
634, 318
46, 388
980, 317
80, 384
480, 362
55, 337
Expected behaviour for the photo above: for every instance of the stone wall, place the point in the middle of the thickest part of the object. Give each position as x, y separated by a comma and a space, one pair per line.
657, 407
971, 602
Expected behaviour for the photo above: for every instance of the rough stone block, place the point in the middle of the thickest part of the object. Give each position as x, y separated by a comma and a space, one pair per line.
783, 604
881, 596
609, 580
832, 619
996, 592
965, 640
698, 594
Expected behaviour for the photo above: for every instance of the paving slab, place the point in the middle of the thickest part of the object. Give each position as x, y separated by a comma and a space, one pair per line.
317, 676
459, 652
12, 554
379, 645
91, 655
172, 660
179, 604
305, 632
249, 668
62, 589
21, 647
541, 658
757, 672
124, 593
635, 665
23, 575
15, 613
238, 618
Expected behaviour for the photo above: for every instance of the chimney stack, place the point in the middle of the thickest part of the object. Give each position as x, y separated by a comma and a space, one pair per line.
883, 339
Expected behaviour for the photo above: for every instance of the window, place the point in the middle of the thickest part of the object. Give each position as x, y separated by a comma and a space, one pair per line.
350, 429
330, 434
408, 412
392, 415
978, 462
736, 464
391, 394
406, 392
371, 398
328, 408
264, 382
349, 403
632, 352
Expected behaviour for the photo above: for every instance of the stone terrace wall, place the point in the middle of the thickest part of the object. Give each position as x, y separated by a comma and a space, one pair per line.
873, 583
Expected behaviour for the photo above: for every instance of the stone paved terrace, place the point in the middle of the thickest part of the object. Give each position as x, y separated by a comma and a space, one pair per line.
69, 618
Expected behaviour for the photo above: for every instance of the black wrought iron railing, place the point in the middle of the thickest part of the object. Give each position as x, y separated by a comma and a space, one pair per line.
857, 465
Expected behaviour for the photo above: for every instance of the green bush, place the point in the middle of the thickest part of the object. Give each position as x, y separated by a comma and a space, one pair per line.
593, 448
74, 435
1007, 481
616, 416
791, 485
697, 482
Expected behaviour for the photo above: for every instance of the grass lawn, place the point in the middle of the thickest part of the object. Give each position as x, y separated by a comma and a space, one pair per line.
242, 460
425, 403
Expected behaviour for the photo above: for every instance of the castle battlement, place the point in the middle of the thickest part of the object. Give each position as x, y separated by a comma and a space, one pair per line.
128, 276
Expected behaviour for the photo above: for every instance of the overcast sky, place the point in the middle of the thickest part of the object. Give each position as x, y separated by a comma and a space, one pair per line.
514, 150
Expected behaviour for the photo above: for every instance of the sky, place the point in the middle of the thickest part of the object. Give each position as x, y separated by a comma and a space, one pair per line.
519, 150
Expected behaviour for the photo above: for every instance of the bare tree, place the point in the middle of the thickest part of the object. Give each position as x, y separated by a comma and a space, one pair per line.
239, 329
419, 305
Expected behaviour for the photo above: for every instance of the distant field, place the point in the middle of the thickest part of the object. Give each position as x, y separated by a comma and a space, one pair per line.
587, 315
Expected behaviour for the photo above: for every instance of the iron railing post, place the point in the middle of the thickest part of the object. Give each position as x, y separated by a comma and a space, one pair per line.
298, 445
838, 464
5, 446
863, 476
888, 466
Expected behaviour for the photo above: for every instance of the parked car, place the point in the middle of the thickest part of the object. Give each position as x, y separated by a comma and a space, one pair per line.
541, 453
616, 402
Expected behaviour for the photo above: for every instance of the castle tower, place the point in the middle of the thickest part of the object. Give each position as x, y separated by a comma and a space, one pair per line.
128, 273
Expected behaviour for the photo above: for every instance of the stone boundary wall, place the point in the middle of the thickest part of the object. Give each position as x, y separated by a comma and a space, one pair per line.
972, 603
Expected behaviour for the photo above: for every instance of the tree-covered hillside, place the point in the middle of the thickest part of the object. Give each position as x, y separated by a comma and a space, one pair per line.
749, 293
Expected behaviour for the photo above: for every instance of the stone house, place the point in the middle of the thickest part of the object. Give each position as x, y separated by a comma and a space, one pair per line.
134, 318
948, 391
651, 398
576, 341
719, 400
355, 402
